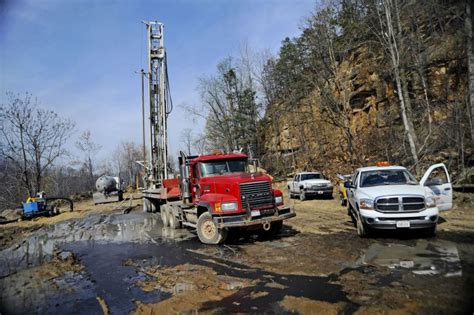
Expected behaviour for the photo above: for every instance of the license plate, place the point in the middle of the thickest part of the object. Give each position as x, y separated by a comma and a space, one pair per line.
255, 213
403, 224
320, 192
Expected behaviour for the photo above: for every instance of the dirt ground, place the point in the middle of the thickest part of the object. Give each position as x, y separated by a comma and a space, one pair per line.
99, 260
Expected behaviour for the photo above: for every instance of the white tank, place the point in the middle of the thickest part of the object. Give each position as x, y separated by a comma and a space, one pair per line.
107, 184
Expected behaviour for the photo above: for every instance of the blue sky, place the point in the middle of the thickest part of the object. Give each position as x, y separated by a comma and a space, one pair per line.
79, 57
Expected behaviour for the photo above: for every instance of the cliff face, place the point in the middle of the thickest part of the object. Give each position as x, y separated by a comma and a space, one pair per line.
301, 137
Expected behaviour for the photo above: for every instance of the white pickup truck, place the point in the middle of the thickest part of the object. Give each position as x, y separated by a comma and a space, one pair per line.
309, 184
389, 197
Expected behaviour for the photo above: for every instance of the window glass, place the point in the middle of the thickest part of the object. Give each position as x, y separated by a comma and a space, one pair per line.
437, 177
195, 171
311, 176
219, 167
355, 177
386, 177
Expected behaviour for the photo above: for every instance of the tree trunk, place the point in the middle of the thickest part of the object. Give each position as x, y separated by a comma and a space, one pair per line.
25, 165
39, 176
91, 173
408, 107
470, 62
394, 41
408, 127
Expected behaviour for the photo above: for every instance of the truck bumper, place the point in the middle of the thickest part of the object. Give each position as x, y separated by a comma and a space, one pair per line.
243, 220
312, 192
391, 221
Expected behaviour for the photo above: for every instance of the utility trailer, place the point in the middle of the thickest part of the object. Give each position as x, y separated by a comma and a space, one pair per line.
215, 193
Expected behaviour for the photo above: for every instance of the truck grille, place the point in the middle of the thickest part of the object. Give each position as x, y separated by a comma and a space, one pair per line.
400, 204
256, 194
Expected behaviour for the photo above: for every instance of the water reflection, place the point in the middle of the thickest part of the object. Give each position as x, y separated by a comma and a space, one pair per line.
425, 258
115, 228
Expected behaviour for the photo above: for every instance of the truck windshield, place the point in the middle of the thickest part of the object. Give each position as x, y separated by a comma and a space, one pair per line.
220, 167
386, 177
311, 176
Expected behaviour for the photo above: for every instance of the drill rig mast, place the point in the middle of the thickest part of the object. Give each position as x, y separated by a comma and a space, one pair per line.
160, 105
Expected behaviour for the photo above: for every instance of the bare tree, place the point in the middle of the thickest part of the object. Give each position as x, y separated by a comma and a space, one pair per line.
335, 80
200, 144
32, 138
126, 155
390, 35
89, 148
187, 139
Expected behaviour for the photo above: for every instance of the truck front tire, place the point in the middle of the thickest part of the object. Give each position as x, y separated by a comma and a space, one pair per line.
208, 232
362, 229
431, 232
275, 227
302, 195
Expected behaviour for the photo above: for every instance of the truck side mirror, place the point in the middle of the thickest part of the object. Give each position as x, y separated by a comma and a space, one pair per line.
348, 184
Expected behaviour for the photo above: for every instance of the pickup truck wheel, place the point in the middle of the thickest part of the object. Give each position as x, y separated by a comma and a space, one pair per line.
431, 232
302, 195
165, 216
362, 229
208, 232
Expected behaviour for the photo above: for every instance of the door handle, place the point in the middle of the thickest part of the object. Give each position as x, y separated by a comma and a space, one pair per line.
447, 189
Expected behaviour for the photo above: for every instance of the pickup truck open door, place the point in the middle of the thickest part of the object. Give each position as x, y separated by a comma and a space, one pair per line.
436, 180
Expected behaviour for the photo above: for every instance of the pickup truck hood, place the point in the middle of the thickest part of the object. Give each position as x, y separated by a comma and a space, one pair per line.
387, 190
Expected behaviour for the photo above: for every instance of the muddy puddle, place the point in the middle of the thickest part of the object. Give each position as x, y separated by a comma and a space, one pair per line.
437, 257
115, 228
114, 253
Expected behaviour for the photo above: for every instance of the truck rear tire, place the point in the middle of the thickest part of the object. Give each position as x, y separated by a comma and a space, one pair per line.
146, 205
208, 232
164, 216
173, 220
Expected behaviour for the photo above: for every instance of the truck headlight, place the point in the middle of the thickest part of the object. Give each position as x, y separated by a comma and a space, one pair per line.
366, 204
229, 206
430, 202
279, 200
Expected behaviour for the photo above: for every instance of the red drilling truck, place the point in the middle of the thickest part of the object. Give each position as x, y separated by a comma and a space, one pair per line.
215, 193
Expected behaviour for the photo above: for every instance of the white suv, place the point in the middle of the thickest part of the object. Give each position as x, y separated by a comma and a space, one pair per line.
389, 197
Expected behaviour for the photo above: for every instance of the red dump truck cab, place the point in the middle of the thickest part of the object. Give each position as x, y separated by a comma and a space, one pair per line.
218, 192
